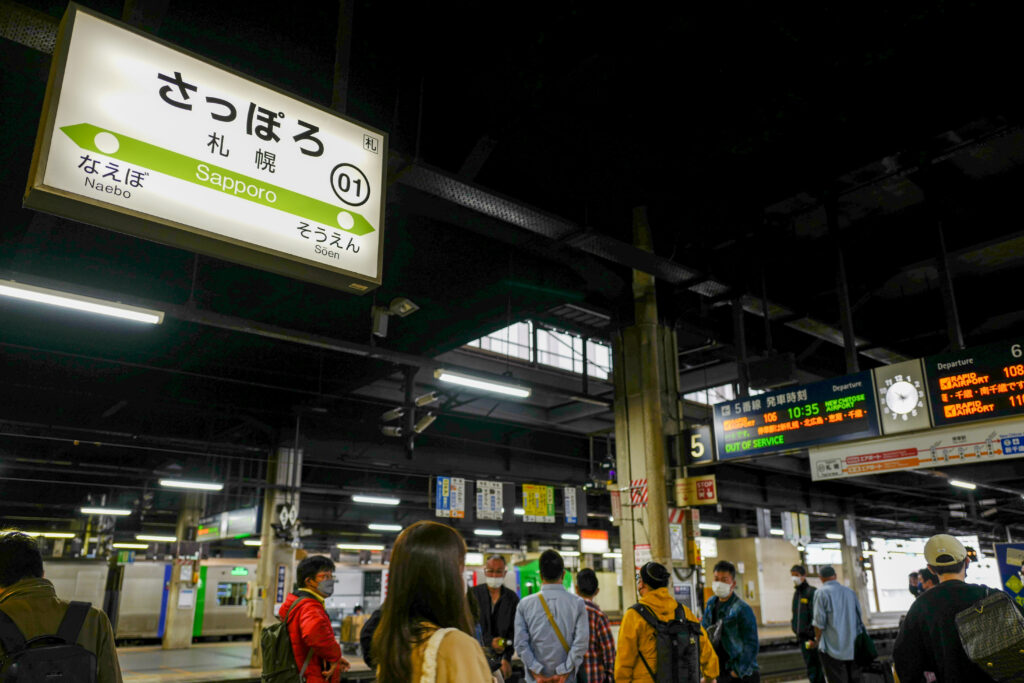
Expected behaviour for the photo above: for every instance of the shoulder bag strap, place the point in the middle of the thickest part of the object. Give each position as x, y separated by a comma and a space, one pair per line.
71, 624
551, 620
429, 674
11, 637
299, 598
309, 653
646, 615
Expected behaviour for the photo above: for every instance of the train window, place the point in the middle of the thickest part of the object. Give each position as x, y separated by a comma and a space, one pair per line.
231, 593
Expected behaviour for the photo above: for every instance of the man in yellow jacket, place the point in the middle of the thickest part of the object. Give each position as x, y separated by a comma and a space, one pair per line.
636, 644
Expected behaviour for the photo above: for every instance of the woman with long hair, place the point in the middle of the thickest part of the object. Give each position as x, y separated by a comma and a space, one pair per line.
425, 631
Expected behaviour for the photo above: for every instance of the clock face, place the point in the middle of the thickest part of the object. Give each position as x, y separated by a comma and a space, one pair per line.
901, 397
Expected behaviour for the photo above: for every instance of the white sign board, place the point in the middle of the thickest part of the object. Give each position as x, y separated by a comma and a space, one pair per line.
148, 139
978, 442
570, 505
488, 499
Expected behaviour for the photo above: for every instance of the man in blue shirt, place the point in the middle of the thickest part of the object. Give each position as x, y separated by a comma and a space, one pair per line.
836, 625
552, 631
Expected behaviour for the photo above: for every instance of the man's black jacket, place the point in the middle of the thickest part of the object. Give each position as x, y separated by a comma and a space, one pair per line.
803, 611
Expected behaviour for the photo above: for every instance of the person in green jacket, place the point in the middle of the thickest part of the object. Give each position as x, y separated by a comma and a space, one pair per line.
32, 603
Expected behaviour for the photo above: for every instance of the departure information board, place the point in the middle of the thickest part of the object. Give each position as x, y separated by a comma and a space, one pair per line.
830, 411
976, 384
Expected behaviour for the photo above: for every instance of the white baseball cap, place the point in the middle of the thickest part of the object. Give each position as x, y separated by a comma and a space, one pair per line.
942, 550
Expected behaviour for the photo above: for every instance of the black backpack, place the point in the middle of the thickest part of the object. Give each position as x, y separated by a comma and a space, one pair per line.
677, 642
50, 658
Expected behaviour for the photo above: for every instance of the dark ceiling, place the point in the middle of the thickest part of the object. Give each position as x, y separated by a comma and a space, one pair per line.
521, 143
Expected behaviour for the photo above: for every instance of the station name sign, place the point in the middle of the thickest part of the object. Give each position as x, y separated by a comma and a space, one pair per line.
147, 139
823, 412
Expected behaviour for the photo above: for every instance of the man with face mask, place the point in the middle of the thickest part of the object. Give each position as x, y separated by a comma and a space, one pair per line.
803, 616
309, 627
497, 612
731, 624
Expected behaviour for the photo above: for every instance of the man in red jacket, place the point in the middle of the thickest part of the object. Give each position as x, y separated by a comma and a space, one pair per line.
309, 627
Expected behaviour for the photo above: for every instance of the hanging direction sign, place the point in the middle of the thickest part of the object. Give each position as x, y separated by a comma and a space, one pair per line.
538, 503
976, 384
148, 139
840, 409
959, 445
488, 500
450, 498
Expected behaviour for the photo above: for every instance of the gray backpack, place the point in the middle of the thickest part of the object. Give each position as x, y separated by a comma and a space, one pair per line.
50, 658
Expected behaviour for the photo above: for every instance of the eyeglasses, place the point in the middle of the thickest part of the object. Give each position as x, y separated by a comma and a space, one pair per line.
325, 575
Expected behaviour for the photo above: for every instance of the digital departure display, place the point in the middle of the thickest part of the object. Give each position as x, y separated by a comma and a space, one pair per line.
976, 384
830, 411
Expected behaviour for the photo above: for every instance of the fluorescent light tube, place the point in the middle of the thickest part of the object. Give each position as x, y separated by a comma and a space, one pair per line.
53, 534
518, 511
131, 546
185, 484
384, 527
119, 512
570, 537
710, 526
53, 297
569, 553
612, 556
375, 500
487, 532
834, 536
360, 546
963, 484
156, 539
482, 384
252, 542
777, 532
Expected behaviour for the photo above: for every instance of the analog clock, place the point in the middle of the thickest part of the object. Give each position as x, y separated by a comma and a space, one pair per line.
902, 397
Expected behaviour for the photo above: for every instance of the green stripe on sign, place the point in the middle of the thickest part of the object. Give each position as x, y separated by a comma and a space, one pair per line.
219, 178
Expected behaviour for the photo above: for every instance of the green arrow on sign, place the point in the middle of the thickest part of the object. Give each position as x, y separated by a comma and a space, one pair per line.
188, 169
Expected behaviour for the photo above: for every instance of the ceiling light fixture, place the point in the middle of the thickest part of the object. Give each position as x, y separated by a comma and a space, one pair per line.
570, 537
131, 546
53, 297
834, 536
482, 384
156, 539
384, 527
710, 526
963, 484
518, 511
117, 512
375, 500
487, 532
252, 542
193, 485
612, 556
777, 532
360, 546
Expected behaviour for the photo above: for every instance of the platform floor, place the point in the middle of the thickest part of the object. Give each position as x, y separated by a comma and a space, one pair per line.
202, 663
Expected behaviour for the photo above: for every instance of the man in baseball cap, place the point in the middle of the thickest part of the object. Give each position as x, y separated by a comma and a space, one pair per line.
928, 640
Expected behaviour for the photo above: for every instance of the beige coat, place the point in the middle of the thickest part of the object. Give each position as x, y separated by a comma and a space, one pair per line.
460, 659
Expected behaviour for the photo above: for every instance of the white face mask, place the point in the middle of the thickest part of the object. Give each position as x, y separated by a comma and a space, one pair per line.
495, 581
797, 580
721, 589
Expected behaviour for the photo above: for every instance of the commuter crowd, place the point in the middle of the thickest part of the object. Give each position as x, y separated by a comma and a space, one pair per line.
430, 628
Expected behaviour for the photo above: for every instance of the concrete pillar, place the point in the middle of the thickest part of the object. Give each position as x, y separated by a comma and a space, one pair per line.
853, 571
639, 426
183, 589
275, 567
